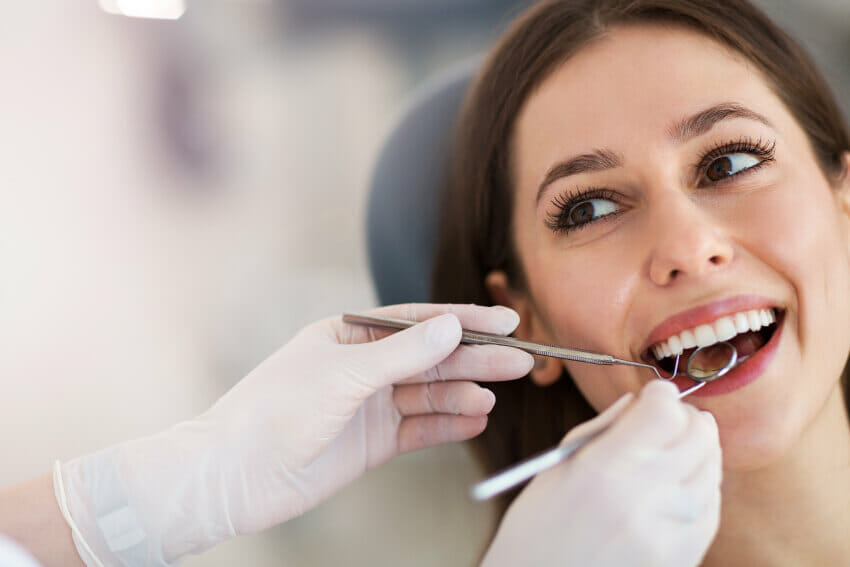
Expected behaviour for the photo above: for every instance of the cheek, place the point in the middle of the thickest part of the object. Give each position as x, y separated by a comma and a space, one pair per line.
580, 297
796, 232
799, 232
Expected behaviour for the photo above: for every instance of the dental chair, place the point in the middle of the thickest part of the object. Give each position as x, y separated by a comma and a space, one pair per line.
403, 209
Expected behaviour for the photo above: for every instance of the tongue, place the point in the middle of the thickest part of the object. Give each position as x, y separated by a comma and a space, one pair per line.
717, 356
747, 343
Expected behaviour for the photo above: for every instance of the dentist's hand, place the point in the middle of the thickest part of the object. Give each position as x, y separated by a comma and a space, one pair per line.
645, 492
333, 403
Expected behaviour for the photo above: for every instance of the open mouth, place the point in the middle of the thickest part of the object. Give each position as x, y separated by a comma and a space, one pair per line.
747, 331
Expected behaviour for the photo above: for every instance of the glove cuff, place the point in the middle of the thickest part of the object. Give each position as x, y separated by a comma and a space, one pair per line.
105, 528
149, 501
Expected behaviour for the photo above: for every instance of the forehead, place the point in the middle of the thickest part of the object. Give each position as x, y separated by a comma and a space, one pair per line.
632, 83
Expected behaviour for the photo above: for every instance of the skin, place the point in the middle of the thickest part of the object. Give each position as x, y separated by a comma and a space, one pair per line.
30, 515
780, 231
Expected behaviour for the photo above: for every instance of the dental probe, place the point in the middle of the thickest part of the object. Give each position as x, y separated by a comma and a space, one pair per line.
512, 476
476, 338
519, 473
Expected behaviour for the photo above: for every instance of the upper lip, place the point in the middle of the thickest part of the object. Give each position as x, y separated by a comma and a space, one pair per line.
704, 314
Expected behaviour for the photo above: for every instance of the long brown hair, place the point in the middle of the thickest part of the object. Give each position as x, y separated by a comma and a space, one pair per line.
475, 235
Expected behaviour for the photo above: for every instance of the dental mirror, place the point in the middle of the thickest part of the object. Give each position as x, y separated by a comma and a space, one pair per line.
711, 362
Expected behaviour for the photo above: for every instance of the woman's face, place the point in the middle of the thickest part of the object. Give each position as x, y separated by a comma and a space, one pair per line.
661, 186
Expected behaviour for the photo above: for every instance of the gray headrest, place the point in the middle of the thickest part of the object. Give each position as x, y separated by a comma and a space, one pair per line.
405, 189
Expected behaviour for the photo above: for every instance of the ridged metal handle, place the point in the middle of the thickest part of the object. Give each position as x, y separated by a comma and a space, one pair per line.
478, 338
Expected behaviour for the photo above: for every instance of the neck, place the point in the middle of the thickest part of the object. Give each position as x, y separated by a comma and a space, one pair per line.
795, 511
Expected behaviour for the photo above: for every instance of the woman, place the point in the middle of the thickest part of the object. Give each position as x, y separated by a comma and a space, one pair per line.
632, 175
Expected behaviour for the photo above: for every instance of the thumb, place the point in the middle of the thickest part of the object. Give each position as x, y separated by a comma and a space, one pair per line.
406, 353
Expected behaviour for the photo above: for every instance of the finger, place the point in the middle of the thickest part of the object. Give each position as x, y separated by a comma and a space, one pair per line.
682, 506
654, 420
602, 421
698, 497
708, 476
698, 443
403, 354
423, 431
459, 398
696, 535
497, 319
484, 363
713, 462
711, 488
487, 319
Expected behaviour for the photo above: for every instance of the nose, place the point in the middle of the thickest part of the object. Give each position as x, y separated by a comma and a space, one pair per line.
686, 242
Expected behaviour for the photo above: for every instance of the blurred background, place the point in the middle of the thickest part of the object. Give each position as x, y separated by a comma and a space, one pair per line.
180, 196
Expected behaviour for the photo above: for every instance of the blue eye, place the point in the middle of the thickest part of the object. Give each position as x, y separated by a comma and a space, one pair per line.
590, 210
729, 165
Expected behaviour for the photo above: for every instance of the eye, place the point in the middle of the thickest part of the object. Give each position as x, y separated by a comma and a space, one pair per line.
582, 208
590, 210
729, 165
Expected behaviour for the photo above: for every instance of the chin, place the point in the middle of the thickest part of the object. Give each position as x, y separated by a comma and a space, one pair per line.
748, 457
760, 440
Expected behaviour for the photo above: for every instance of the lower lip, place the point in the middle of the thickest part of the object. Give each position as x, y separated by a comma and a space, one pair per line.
741, 375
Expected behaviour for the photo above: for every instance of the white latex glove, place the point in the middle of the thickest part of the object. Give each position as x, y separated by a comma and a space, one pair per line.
310, 419
645, 492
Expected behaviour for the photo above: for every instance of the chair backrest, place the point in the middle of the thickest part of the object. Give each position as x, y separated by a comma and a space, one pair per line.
404, 196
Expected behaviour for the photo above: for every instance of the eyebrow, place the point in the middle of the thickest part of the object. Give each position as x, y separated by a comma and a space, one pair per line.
597, 160
681, 131
704, 120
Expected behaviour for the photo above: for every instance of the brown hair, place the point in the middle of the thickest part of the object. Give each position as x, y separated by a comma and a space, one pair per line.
475, 236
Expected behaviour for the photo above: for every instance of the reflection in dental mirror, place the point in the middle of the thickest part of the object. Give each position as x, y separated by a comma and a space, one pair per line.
711, 362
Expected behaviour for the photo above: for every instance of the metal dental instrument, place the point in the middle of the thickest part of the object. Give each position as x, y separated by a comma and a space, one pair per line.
701, 375
704, 375
519, 473
476, 338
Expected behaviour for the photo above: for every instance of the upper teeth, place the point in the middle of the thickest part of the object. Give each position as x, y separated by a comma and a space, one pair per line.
720, 330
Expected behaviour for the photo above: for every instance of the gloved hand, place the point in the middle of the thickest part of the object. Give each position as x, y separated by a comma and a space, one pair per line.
334, 402
645, 492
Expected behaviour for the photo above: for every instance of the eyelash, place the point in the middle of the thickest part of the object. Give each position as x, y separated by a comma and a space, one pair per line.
745, 145
558, 221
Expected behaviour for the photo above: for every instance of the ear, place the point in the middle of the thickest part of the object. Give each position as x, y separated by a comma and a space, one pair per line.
546, 370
